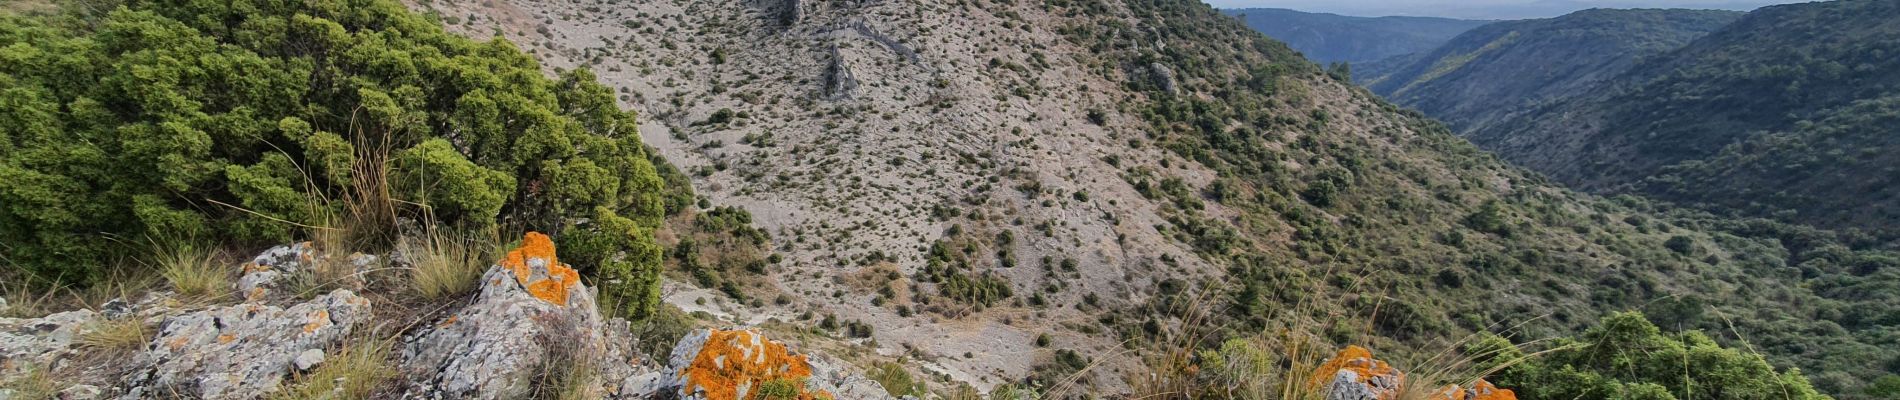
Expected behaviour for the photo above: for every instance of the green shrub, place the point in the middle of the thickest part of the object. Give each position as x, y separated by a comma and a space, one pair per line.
147, 120
1625, 356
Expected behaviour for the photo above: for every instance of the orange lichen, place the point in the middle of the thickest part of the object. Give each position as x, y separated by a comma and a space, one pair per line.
177, 343
742, 358
226, 338
1356, 359
318, 320
1482, 390
552, 287
446, 322
1360, 362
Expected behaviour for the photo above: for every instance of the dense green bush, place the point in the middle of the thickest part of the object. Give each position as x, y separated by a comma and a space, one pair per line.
162, 118
1627, 357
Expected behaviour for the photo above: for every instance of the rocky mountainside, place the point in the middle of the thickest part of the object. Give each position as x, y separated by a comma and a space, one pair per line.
1330, 38
1777, 115
967, 179
1492, 72
1058, 199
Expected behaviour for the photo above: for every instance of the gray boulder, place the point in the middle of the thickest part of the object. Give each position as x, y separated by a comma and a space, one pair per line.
242, 351
739, 362
265, 274
40, 342
840, 83
532, 313
268, 270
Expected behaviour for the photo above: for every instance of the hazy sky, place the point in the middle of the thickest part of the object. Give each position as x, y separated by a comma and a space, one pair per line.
1485, 9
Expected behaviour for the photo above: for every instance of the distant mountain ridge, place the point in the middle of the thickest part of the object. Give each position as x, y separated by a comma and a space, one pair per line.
1488, 73
1330, 38
1777, 115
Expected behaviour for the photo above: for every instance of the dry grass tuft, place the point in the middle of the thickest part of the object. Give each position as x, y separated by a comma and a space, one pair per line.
194, 272
33, 384
123, 334
566, 373
445, 265
354, 372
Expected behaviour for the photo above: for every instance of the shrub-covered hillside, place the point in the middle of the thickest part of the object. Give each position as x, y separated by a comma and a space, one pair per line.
160, 122
1324, 186
1783, 114
1490, 72
1331, 38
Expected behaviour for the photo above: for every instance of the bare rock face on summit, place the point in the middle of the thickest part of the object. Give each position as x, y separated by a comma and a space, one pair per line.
531, 306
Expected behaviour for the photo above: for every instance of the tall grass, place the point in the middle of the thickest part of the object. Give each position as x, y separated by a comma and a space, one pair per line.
444, 265
32, 384
353, 372
122, 334
566, 372
1279, 362
194, 272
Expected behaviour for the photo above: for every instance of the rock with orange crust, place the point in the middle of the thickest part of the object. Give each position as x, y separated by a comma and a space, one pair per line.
530, 306
243, 351
1353, 374
710, 364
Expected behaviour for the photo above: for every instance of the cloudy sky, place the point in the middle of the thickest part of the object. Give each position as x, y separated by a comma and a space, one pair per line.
1485, 9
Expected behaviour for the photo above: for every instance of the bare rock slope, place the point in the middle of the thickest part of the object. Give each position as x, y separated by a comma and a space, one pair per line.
862, 132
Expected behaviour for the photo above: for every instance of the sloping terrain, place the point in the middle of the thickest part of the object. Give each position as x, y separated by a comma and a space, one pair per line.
1057, 195
1330, 38
1491, 72
1775, 116
963, 177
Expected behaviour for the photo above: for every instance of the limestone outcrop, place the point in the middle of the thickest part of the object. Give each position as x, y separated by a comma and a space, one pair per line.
242, 351
711, 364
1353, 374
532, 311
42, 341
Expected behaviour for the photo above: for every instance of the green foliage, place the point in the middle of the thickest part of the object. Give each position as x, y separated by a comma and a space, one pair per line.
1627, 357
1489, 218
948, 266
779, 389
896, 380
144, 121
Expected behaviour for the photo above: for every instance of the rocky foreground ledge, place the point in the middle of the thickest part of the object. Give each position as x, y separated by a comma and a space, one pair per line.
531, 311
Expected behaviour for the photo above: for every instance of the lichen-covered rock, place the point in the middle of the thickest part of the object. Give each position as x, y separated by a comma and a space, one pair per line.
530, 306
242, 351
739, 364
40, 342
1353, 374
1481, 390
267, 270
264, 274
828, 375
